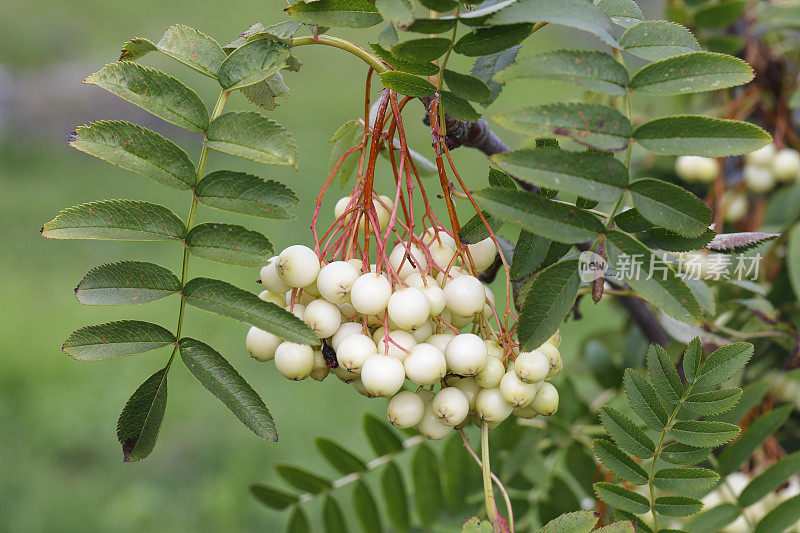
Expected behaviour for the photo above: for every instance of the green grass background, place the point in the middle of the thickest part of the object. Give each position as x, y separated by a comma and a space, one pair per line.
60, 465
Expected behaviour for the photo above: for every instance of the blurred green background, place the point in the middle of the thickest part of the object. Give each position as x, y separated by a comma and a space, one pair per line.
61, 467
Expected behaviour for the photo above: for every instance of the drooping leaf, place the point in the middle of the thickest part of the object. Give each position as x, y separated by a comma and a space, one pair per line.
225, 299
739, 242
128, 220
116, 339
625, 433
457, 107
340, 459
421, 50
723, 364
239, 192
336, 13
756, 433
594, 125
700, 135
265, 94
252, 136
254, 61
217, 375
394, 494
658, 39
302, 479
682, 454
345, 139
487, 66
644, 400
589, 69
574, 522
333, 517
677, 505
189, 46
714, 519
382, 438
492, 39
140, 420
549, 299
625, 13
529, 253
703, 433
137, 149
366, 508
408, 84
670, 206
781, 517
272, 497
153, 91
467, 87
770, 479
664, 375
282, 30
126, 283
229, 244
692, 73
619, 462
713, 402
411, 67
427, 484
685, 480
621, 498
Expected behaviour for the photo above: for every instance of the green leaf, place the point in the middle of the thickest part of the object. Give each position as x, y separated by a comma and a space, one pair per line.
719, 15
621, 527
641, 526
382, 438
366, 508
217, 375
302, 479
621, 498
691, 359
644, 400
593, 125
658, 39
225, 299
625, 433
140, 420
333, 517
459, 472
282, 30
467, 87
703, 433
664, 375
229, 244
394, 494
694, 72
670, 206
399, 12
252, 136
239, 192
254, 61
631, 221
339, 458
754, 436
677, 505
265, 93
714, 519
682, 454
723, 364
619, 463
549, 299
590, 175
427, 484
127, 220
596, 71
412, 67
137, 149
346, 138
421, 50
272, 497
431, 26
126, 283
752, 396
442, 6
529, 253
336, 13
770, 479
298, 522
780, 518
187, 45
492, 40
580, 14
457, 107
554, 220
671, 241
116, 339
486, 67
408, 84
713, 402
625, 13
575, 522
664, 289
685, 480
153, 91
700, 135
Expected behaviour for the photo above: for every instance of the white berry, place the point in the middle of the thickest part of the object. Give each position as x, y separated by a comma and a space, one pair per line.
298, 310
382, 375
759, 180
465, 295
435, 236
466, 354
525, 412
370, 293
323, 317
483, 253
346, 329
761, 157
493, 348
469, 387
431, 289
546, 400
735, 205
425, 365
270, 280
261, 344
399, 344
409, 308
515, 391
431, 427
491, 406
453, 273
405, 410
786, 165
354, 350
422, 333
407, 260
344, 375
450, 406
335, 281
440, 340
294, 361
696, 168
321, 368
442, 255
272, 298
532, 367
297, 265
491, 374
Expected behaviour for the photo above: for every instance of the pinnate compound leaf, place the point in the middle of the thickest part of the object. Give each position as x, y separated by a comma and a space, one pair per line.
252, 136
692, 73
217, 375
575, 522
703, 433
619, 462
302, 479
394, 494
411, 67
664, 374
682, 454
408, 84
621, 498
229, 244
272, 497
658, 39
700, 135
128, 220
754, 436
596, 71
239, 192
714, 519
589, 175
339, 458
254, 61
153, 91
116, 339
465, 86
486, 68
713, 402
492, 39
670, 206
457, 107
685, 480
336, 13
780, 518
555, 220
644, 400
382, 438
333, 517
548, 300
366, 508
593, 125
625, 13
189, 46
677, 505
723, 364
427, 484
225, 299
770, 479
626, 434
137, 149
140, 420
126, 283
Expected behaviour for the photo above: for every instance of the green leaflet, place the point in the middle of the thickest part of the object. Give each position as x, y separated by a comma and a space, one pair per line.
257, 59
658, 39
252, 136
116, 339
126, 283
189, 46
229, 244
140, 420
337, 13
239, 192
700, 135
692, 73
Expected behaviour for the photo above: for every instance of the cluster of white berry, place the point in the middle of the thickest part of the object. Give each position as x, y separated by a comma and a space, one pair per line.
378, 329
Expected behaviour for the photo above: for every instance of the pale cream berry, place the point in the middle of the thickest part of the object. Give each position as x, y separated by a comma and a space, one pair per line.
422, 333
452, 273
546, 400
491, 406
362, 389
532, 367
298, 310
468, 386
450, 406
294, 361
270, 280
408, 308
271, 297
382, 375
323, 317
735, 206
407, 260
297, 265
526, 412
321, 368
442, 255
432, 236
555, 338
335, 281
455, 320
758, 180
354, 350
261, 344
341, 206
312, 290
696, 168
440, 340
431, 289
398, 345
431, 427
405, 410
303, 298
465, 295
761, 157
347, 310
515, 391
347, 328
493, 349
370, 293
344, 375
483, 253
466, 354
491, 374
425, 365
786, 165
